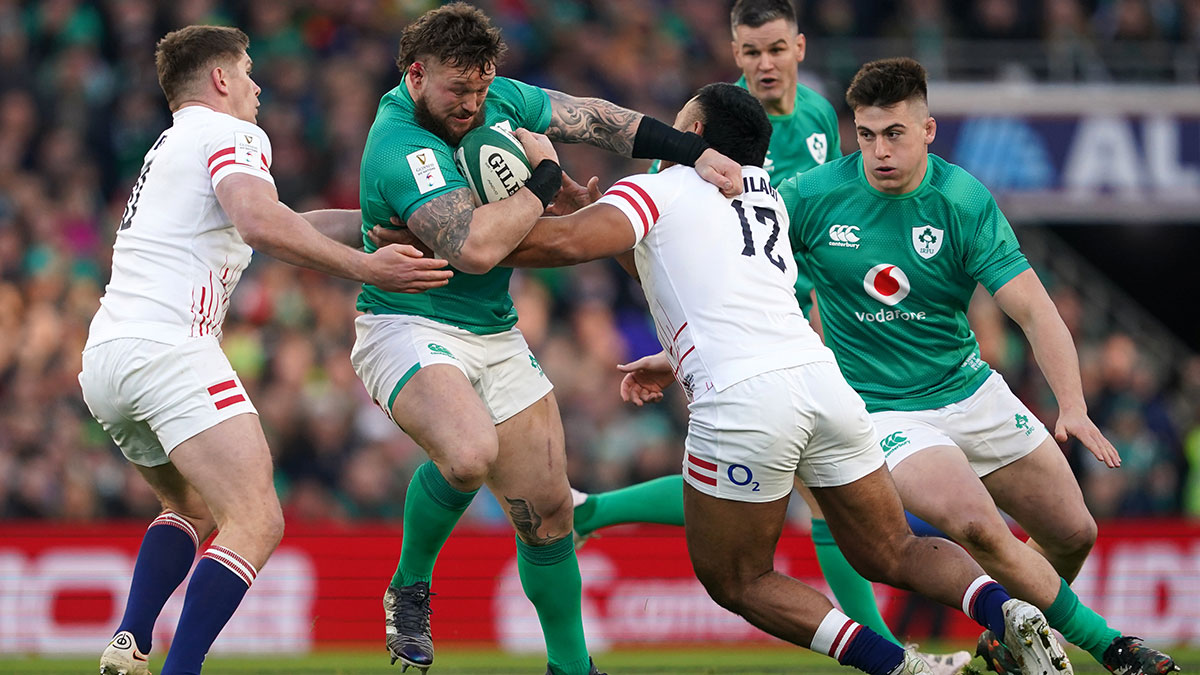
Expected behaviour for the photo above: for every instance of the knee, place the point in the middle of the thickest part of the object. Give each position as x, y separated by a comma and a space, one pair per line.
981, 537
1075, 543
273, 526
548, 520
467, 468
726, 589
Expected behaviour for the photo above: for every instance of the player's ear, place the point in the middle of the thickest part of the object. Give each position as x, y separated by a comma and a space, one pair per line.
930, 129
217, 76
416, 71
801, 44
697, 128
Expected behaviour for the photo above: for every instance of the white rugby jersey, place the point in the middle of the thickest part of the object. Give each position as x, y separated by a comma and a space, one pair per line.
177, 256
718, 274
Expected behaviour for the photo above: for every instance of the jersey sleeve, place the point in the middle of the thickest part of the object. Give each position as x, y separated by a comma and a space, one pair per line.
994, 256
237, 147
641, 198
531, 104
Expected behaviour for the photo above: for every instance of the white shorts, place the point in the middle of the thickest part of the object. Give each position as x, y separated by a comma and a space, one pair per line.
992, 428
391, 348
748, 442
151, 396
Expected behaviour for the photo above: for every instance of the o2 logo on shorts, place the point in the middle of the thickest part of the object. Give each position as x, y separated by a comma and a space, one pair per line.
741, 476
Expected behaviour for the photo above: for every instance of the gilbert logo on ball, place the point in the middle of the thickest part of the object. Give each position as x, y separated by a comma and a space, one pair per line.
493, 162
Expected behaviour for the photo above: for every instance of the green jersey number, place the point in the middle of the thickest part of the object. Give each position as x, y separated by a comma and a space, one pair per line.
766, 217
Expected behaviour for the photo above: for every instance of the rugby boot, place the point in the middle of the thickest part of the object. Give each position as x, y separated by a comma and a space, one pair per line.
914, 663
121, 657
406, 616
943, 664
593, 671
996, 655
1028, 637
1128, 656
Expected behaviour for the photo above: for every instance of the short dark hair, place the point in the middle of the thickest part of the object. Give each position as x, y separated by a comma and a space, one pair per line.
183, 55
735, 123
456, 34
754, 13
886, 82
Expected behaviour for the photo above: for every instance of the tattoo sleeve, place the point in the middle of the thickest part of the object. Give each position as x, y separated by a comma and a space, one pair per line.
593, 121
526, 522
444, 222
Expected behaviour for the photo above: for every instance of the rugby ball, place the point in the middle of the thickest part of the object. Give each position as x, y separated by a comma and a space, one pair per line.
493, 162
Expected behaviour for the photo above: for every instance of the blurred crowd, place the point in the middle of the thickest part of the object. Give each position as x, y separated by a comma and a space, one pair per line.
80, 105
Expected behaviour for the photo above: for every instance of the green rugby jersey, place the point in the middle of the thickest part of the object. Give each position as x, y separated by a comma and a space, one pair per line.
404, 166
895, 274
806, 138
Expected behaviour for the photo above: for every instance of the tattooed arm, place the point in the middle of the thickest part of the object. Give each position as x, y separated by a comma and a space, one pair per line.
593, 121
609, 126
473, 239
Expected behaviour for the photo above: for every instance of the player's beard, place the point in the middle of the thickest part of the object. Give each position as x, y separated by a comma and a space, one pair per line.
437, 127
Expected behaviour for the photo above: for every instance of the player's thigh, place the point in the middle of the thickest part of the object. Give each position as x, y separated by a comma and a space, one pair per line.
421, 374
867, 521
731, 542
1040, 492
745, 442
230, 466
939, 486
529, 478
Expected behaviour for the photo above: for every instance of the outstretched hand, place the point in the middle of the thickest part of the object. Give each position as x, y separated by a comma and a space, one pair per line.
645, 379
574, 196
1079, 425
721, 171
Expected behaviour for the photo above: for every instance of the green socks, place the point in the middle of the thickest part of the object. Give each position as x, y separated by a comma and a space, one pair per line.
853, 592
655, 501
550, 577
1079, 624
431, 509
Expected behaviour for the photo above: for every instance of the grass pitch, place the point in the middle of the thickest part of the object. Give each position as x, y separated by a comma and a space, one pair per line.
727, 661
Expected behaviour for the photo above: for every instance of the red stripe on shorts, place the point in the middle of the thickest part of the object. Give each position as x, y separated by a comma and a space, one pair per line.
701, 477
703, 464
226, 402
218, 388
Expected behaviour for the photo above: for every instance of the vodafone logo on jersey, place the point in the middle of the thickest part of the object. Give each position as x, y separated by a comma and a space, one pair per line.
886, 283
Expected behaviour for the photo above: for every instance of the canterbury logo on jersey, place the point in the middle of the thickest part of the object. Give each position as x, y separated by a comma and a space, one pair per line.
844, 235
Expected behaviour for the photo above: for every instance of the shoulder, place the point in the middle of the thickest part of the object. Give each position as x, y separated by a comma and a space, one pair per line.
809, 98
959, 187
506, 88
396, 134
839, 174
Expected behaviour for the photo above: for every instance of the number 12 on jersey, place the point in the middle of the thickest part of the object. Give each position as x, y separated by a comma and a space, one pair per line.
766, 217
